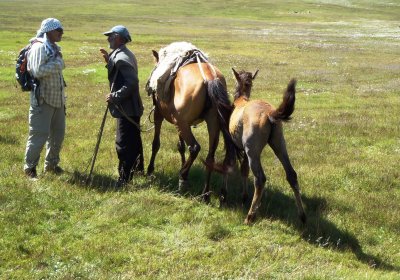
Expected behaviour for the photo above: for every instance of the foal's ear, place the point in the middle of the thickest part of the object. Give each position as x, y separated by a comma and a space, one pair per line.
236, 74
255, 75
155, 54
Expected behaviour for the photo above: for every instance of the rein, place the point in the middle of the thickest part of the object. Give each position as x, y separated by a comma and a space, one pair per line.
122, 111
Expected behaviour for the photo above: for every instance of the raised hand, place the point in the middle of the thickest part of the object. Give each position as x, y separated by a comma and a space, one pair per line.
105, 54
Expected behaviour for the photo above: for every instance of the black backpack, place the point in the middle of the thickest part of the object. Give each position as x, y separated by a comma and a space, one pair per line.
23, 77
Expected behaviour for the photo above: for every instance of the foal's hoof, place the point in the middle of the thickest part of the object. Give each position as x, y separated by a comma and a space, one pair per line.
183, 185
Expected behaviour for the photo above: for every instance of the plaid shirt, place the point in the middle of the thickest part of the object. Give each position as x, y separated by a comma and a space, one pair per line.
46, 64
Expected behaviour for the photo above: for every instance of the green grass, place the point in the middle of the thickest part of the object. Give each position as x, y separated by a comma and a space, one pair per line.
343, 142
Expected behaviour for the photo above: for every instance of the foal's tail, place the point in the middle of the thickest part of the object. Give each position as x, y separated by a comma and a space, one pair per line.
219, 98
286, 108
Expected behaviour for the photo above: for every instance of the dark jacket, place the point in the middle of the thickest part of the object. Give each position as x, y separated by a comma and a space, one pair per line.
124, 83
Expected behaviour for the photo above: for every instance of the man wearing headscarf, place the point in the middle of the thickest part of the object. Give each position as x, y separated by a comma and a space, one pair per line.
124, 102
47, 101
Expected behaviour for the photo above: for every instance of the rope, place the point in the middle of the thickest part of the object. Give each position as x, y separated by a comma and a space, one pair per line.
200, 55
201, 68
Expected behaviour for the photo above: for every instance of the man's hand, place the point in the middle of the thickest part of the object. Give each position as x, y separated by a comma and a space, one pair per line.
109, 98
105, 54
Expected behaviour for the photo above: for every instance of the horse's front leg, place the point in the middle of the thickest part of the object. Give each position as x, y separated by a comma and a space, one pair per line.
158, 119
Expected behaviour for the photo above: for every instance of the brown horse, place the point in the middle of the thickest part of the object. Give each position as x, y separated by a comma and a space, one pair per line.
253, 125
194, 99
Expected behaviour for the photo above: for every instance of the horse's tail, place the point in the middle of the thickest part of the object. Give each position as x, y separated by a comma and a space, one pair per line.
286, 108
219, 98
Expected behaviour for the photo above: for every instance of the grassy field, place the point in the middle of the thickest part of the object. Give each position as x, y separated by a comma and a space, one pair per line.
344, 142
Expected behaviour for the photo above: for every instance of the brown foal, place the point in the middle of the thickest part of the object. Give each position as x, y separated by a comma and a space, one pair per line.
254, 124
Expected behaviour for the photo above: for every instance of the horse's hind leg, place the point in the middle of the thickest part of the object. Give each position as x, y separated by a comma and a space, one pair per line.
277, 143
158, 119
181, 149
186, 134
259, 182
213, 140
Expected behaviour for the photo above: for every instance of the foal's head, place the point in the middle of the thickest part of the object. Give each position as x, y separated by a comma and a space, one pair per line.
244, 82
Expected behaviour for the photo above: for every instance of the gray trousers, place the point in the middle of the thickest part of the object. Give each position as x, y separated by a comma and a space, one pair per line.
46, 126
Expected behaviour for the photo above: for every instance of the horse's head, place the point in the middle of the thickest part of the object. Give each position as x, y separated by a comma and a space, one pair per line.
148, 89
156, 57
244, 83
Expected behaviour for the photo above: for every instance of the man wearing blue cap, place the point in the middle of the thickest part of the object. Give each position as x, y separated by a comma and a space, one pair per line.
47, 101
124, 102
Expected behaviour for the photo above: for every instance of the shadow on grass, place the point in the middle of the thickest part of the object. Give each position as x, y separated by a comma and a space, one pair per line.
9, 139
101, 183
106, 183
170, 182
318, 231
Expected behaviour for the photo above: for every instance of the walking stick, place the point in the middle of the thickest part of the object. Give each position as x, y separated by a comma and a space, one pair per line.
96, 149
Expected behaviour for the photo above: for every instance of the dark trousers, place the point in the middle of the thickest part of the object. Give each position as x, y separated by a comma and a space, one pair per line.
129, 148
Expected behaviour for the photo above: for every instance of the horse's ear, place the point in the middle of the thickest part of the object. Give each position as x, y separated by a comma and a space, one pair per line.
236, 74
255, 74
155, 54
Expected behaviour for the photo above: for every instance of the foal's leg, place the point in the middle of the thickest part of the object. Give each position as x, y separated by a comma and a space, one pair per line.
278, 145
259, 182
158, 119
186, 134
181, 149
244, 171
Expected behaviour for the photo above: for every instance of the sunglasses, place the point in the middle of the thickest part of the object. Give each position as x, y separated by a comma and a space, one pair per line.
59, 30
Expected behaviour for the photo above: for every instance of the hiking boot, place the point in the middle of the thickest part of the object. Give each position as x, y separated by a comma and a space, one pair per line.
31, 173
54, 169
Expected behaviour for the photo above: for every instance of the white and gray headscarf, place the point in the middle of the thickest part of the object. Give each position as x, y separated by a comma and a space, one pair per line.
48, 25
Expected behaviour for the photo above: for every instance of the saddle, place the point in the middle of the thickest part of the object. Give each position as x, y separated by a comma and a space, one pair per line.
166, 80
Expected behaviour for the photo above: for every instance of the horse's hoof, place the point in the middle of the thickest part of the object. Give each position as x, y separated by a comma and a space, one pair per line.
245, 198
150, 176
183, 185
206, 198
250, 219
222, 201
303, 218
223, 198
150, 171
